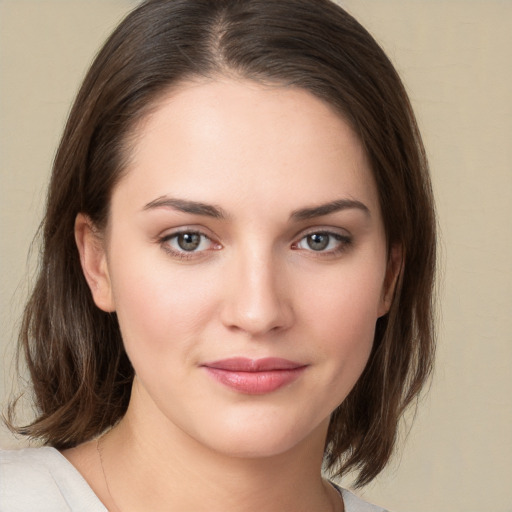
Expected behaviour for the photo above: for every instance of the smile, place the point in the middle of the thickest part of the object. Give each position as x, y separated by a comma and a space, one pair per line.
254, 376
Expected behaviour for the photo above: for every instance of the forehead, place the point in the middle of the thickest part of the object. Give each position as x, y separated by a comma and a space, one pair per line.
209, 139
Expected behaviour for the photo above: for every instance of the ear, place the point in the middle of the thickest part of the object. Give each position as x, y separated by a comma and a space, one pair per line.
394, 267
93, 259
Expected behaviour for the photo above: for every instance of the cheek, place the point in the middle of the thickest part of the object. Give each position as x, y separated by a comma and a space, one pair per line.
347, 299
160, 312
348, 329
343, 313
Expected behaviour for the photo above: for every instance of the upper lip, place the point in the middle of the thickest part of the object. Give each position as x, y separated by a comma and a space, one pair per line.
244, 364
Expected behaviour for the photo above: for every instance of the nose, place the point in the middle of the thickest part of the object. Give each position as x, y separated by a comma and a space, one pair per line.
257, 296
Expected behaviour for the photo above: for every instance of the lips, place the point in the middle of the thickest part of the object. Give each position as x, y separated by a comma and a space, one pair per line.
254, 376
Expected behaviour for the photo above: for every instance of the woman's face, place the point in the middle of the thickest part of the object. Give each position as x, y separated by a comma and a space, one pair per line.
246, 260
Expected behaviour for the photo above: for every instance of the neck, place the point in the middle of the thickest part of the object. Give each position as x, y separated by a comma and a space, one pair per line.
152, 466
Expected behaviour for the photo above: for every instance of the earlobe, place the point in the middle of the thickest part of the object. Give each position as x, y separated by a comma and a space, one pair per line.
93, 259
395, 263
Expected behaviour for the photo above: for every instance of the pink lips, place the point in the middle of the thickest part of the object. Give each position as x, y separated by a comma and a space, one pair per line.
254, 376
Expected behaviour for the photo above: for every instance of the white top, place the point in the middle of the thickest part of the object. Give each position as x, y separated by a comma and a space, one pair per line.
43, 480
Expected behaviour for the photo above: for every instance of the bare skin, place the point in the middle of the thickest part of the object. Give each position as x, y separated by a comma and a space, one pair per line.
138, 479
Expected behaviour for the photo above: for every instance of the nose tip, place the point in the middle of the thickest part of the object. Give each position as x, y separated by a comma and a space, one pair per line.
257, 301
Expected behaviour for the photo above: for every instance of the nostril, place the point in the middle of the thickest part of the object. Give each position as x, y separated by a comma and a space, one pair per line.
257, 317
256, 298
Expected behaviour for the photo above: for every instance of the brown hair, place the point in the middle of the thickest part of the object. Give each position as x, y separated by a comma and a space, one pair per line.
80, 373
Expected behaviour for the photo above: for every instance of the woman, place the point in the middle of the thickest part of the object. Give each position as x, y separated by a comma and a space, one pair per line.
236, 279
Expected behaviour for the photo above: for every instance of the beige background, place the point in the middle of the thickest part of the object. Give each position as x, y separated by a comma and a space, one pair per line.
455, 57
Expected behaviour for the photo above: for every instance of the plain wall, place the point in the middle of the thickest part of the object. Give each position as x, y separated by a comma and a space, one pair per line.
455, 57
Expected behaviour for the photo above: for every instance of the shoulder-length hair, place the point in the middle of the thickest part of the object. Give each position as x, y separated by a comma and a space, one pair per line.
80, 372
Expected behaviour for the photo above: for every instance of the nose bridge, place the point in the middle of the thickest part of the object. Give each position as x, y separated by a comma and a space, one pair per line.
257, 301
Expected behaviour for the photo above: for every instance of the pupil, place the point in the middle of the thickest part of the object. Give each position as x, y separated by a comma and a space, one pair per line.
189, 241
318, 242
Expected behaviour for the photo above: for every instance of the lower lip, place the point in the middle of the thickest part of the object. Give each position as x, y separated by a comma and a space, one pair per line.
255, 383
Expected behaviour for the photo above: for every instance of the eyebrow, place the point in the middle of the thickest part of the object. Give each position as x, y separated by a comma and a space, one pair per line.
187, 206
327, 208
208, 210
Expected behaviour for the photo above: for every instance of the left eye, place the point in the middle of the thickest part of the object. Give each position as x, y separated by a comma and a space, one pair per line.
322, 242
188, 241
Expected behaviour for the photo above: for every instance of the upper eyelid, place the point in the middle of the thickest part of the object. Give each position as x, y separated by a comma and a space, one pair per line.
340, 237
170, 236
323, 229
181, 232
170, 232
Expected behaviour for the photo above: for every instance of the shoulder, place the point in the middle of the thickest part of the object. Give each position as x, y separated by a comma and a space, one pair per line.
43, 479
355, 504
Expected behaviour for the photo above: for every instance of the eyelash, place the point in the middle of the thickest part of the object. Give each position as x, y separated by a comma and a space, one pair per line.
343, 244
183, 254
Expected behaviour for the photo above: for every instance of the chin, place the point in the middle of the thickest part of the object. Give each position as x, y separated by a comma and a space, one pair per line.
263, 439
254, 448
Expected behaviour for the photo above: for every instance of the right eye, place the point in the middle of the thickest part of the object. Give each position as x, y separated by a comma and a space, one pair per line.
185, 244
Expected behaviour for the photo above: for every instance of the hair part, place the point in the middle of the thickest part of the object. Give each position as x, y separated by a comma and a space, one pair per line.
80, 372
